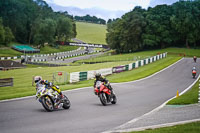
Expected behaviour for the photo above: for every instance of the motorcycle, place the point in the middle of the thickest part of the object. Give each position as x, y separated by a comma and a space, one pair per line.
50, 99
194, 73
104, 94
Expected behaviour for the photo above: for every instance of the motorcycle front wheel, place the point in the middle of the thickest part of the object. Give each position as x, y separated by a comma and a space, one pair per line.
66, 103
103, 100
114, 99
47, 103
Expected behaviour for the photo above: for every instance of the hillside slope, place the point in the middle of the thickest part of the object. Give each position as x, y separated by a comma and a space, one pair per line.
91, 33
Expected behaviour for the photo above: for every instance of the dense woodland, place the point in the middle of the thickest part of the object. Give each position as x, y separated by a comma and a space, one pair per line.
158, 27
33, 22
91, 19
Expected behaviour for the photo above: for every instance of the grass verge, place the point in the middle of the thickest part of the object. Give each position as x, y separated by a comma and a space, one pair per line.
193, 127
190, 97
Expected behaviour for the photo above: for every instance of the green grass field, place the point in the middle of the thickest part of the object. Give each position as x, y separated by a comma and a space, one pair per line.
193, 127
91, 33
8, 52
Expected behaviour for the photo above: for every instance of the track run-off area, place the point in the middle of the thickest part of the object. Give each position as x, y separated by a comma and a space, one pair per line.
88, 115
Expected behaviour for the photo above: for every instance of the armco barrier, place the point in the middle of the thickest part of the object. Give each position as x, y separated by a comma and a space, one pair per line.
90, 74
126, 67
80, 76
118, 69
104, 72
130, 66
74, 77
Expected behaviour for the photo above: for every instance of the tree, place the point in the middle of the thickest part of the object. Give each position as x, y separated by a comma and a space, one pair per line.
24, 18
182, 21
64, 29
125, 34
46, 32
8, 35
2, 33
158, 29
109, 21
113, 35
74, 30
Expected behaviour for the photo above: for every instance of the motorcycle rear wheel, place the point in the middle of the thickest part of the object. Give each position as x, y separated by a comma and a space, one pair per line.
103, 100
47, 103
193, 75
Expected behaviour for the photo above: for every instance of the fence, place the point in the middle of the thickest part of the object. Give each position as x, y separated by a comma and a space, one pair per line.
60, 77
80, 76
6, 82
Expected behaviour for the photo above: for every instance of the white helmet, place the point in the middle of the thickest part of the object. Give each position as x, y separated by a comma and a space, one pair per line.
37, 78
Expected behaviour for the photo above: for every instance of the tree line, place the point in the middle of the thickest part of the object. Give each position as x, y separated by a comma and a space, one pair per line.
33, 22
91, 19
159, 27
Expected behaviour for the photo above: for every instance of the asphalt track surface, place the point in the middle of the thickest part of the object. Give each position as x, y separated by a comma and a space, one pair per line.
87, 115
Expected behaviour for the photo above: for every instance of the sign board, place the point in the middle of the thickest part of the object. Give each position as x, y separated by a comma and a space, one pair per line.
59, 73
118, 69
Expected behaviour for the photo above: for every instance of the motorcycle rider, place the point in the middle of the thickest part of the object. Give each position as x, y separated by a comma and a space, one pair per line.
194, 68
39, 81
99, 77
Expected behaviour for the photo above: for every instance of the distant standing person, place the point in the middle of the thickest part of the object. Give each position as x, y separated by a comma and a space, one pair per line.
195, 59
22, 60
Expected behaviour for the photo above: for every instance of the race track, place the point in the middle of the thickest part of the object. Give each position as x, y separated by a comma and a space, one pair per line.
87, 115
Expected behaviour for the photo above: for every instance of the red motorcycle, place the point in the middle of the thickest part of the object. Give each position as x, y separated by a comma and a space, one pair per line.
104, 94
194, 72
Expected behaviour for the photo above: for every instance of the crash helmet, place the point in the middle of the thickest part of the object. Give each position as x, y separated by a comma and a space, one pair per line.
98, 75
37, 78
